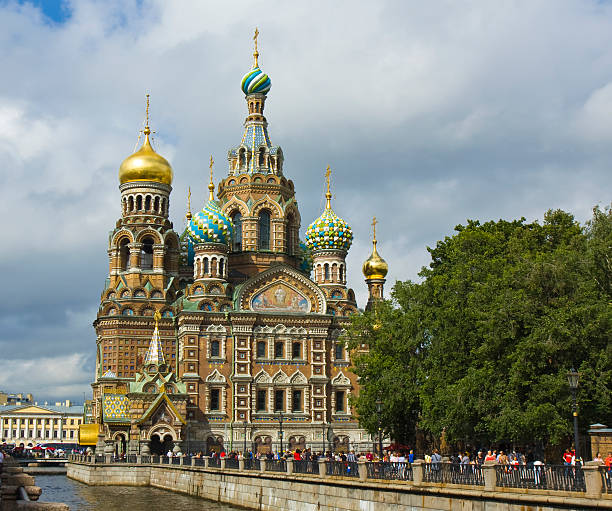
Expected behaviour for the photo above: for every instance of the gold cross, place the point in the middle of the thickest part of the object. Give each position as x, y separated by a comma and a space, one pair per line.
188, 202
374, 222
147, 111
255, 53
328, 194
156, 317
211, 186
211, 166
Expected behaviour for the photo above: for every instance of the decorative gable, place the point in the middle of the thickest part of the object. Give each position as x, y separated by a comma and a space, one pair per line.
341, 380
281, 289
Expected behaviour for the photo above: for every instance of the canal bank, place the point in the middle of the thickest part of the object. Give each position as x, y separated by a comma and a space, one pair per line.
272, 489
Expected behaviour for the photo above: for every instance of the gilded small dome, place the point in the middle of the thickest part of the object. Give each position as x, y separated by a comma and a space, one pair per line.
145, 165
375, 266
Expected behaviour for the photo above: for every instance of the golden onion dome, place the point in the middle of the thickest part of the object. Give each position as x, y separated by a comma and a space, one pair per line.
145, 165
375, 266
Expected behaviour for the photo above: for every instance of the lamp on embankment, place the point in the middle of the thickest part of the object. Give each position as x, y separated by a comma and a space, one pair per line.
572, 378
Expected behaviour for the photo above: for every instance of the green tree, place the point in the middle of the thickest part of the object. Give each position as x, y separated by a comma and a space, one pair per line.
481, 346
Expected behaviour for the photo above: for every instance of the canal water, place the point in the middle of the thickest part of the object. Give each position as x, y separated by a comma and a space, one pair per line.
81, 497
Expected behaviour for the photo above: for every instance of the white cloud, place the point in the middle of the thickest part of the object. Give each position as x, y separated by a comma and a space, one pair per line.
428, 112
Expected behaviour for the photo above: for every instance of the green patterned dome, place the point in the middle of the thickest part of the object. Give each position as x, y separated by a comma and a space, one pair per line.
210, 225
329, 231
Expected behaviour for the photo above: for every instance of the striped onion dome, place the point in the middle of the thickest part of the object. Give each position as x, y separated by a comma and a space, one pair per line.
256, 81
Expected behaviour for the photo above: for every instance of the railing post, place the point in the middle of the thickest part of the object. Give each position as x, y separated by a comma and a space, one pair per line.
206, 461
262, 465
241, 463
289, 466
362, 468
489, 473
322, 468
418, 470
592, 478
182, 461
108, 458
139, 459
193, 461
222, 463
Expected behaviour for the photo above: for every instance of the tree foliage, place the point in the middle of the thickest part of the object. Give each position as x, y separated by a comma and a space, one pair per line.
482, 345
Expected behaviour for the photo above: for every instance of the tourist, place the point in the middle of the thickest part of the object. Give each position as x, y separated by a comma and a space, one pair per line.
351, 456
436, 459
598, 458
490, 456
169, 454
411, 456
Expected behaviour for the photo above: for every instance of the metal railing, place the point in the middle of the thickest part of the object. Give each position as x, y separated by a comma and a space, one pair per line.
388, 470
306, 467
342, 468
453, 473
276, 465
232, 463
252, 464
544, 477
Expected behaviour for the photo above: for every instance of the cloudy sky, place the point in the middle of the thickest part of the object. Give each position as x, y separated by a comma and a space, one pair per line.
429, 113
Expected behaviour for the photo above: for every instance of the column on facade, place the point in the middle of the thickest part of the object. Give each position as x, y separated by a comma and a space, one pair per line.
159, 252
61, 428
135, 249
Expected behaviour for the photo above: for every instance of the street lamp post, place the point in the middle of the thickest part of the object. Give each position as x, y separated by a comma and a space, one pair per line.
280, 431
323, 437
245, 433
572, 378
379, 411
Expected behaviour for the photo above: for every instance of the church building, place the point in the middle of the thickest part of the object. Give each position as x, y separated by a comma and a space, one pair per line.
225, 334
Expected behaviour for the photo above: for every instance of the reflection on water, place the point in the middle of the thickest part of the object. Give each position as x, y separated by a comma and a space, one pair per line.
81, 497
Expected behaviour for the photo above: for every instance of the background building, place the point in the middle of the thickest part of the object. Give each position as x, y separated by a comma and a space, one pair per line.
214, 337
31, 424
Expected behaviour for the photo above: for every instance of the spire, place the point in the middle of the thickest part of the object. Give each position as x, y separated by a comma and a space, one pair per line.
374, 222
255, 53
328, 194
155, 355
211, 185
188, 215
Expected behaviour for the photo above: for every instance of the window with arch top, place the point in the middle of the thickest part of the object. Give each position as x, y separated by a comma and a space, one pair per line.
124, 254
237, 221
146, 254
263, 241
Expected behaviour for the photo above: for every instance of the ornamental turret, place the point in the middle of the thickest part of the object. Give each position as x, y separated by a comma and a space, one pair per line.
255, 195
329, 238
211, 233
374, 269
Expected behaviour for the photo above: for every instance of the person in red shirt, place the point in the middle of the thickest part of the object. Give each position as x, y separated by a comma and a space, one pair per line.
297, 456
490, 456
567, 457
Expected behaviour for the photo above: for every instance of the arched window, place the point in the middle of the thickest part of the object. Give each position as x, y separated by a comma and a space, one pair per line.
291, 235
131, 203
242, 158
264, 230
341, 273
237, 220
124, 254
326, 269
163, 207
148, 203
139, 202
262, 157
156, 205
221, 267
206, 266
146, 254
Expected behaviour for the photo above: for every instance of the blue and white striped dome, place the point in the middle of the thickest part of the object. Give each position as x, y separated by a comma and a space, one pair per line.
256, 81
210, 225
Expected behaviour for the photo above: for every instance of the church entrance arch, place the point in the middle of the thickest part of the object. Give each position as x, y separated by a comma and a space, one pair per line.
161, 445
341, 444
214, 444
263, 444
120, 444
297, 442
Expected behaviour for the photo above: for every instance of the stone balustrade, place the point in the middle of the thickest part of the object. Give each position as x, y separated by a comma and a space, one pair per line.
246, 482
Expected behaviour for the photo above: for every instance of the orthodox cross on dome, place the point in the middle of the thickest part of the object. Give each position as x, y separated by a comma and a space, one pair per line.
374, 222
211, 185
328, 194
188, 215
255, 53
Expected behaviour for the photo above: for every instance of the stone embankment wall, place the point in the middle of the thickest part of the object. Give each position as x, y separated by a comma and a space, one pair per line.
274, 491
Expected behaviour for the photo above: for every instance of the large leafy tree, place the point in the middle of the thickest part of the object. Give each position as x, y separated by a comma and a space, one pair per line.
481, 346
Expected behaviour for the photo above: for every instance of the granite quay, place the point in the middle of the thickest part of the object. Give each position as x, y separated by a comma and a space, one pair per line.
327, 485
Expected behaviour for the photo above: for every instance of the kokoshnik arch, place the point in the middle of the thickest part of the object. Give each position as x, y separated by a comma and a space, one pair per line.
207, 336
